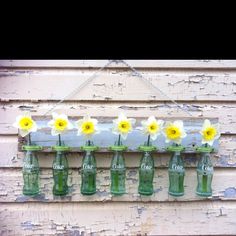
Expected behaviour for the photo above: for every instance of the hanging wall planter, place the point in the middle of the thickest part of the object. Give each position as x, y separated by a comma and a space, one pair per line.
204, 172
175, 132
152, 129
30, 169
60, 170
87, 127
146, 170
121, 127
210, 133
60, 125
176, 171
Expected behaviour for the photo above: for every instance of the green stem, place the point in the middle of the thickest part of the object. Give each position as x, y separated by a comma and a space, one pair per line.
119, 140
59, 136
29, 139
29, 143
148, 142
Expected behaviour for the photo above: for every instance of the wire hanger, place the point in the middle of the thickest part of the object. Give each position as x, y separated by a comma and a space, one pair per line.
135, 73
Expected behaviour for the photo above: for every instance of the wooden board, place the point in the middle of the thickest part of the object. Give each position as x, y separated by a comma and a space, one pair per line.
82, 219
205, 87
116, 85
106, 138
187, 64
224, 111
223, 185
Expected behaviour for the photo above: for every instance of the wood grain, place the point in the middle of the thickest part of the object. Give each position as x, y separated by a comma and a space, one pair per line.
117, 86
205, 87
10, 157
225, 112
223, 185
61, 64
77, 219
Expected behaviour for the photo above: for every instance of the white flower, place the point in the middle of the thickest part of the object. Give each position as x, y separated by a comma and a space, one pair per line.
123, 125
87, 126
152, 127
174, 131
25, 124
210, 132
59, 124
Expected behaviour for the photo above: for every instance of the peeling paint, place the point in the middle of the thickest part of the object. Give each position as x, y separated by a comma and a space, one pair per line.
40, 197
28, 225
230, 192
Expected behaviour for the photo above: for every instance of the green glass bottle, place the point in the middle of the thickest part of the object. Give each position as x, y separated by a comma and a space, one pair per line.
204, 175
88, 171
60, 171
118, 171
146, 171
30, 171
176, 173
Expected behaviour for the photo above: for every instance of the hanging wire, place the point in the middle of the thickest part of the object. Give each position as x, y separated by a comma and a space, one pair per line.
152, 86
135, 72
77, 89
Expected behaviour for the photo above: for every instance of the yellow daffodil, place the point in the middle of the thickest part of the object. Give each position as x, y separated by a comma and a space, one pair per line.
174, 131
87, 126
59, 124
152, 127
210, 132
123, 125
25, 124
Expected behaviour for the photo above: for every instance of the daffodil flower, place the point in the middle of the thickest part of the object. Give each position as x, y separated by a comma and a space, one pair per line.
152, 127
59, 124
123, 125
25, 124
210, 132
174, 131
87, 126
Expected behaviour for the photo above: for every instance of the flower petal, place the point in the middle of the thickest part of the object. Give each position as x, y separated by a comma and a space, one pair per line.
154, 136
122, 116
55, 132
179, 124
132, 120
124, 136
151, 119
34, 127
23, 133
54, 115
206, 124
70, 125
51, 123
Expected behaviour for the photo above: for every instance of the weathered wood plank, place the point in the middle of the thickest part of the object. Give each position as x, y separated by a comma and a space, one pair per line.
204, 218
224, 187
106, 138
10, 157
224, 111
118, 86
216, 64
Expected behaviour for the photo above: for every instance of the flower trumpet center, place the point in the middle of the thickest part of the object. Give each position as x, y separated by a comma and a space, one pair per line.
209, 133
60, 124
26, 123
153, 128
88, 127
124, 126
173, 132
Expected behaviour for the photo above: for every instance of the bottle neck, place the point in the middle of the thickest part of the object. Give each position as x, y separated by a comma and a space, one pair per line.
147, 156
205, 158
118, 158
89, 157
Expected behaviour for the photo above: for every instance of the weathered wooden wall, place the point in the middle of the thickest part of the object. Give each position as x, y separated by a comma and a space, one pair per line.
205, 88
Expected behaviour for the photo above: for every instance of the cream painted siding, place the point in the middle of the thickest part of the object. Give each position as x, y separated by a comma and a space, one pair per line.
206, 88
